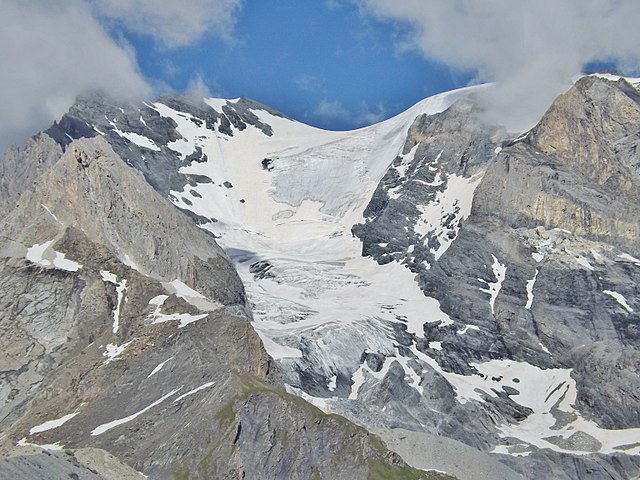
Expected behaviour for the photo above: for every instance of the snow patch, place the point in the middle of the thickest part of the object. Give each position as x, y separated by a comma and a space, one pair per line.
136, 138
182, 290
493, 288
466, 328
45, 256
51, 424
538, 257
159, 367
48, 446
456, 200
158, 317
195, 390
357, 380
112, 351
530, 284
332, 383
51, 213
121, 289
618, 297
628, 258
108, 426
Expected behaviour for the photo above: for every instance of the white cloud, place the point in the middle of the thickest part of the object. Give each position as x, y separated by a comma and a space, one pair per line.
52, 51
368, 116
330, 110
310, 83
198, 87
358, 116
170, 22
334, 4
531, 47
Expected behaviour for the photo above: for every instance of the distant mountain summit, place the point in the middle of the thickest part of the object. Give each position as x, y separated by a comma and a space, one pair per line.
182, 279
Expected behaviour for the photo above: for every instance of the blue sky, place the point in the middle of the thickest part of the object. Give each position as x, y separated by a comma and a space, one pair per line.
327, 64
336, 64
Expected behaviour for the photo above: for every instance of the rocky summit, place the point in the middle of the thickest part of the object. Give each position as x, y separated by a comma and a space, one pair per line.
205, 288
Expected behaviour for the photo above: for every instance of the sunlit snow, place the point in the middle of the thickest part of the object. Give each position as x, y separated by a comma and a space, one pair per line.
158, 317
493, 288
159, 367
108, 426
112, 351
121, 289
51, 424
45, 256
195, 390
530, 284
620, 299
455, 199
47, 446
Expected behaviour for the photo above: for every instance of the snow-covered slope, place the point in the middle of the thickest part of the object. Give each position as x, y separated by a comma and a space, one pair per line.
283, 207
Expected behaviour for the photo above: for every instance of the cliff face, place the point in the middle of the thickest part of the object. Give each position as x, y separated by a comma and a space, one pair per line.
126, 330
578, 169
19, 169
570, 190
542, 270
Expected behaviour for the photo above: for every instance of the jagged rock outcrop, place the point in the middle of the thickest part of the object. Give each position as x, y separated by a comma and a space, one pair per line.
410, 218
19, 169
577, 169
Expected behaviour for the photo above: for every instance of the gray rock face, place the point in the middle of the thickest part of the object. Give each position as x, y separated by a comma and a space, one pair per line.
541, 271
83, 464
577, 170
119, 123
125, 330
20, 168
116, 207
452, 147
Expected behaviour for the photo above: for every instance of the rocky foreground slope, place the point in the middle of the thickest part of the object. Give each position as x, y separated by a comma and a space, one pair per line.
470, 296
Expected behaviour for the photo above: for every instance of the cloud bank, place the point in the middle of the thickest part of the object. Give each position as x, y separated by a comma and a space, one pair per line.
532, 48
53, 50
172, 23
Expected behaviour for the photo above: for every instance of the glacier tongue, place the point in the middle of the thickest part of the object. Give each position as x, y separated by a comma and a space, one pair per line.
283, 206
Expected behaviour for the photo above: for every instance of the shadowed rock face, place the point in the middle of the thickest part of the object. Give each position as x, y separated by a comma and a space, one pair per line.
126, 330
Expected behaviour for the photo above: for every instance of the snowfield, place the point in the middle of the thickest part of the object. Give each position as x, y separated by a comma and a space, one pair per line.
283, 207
